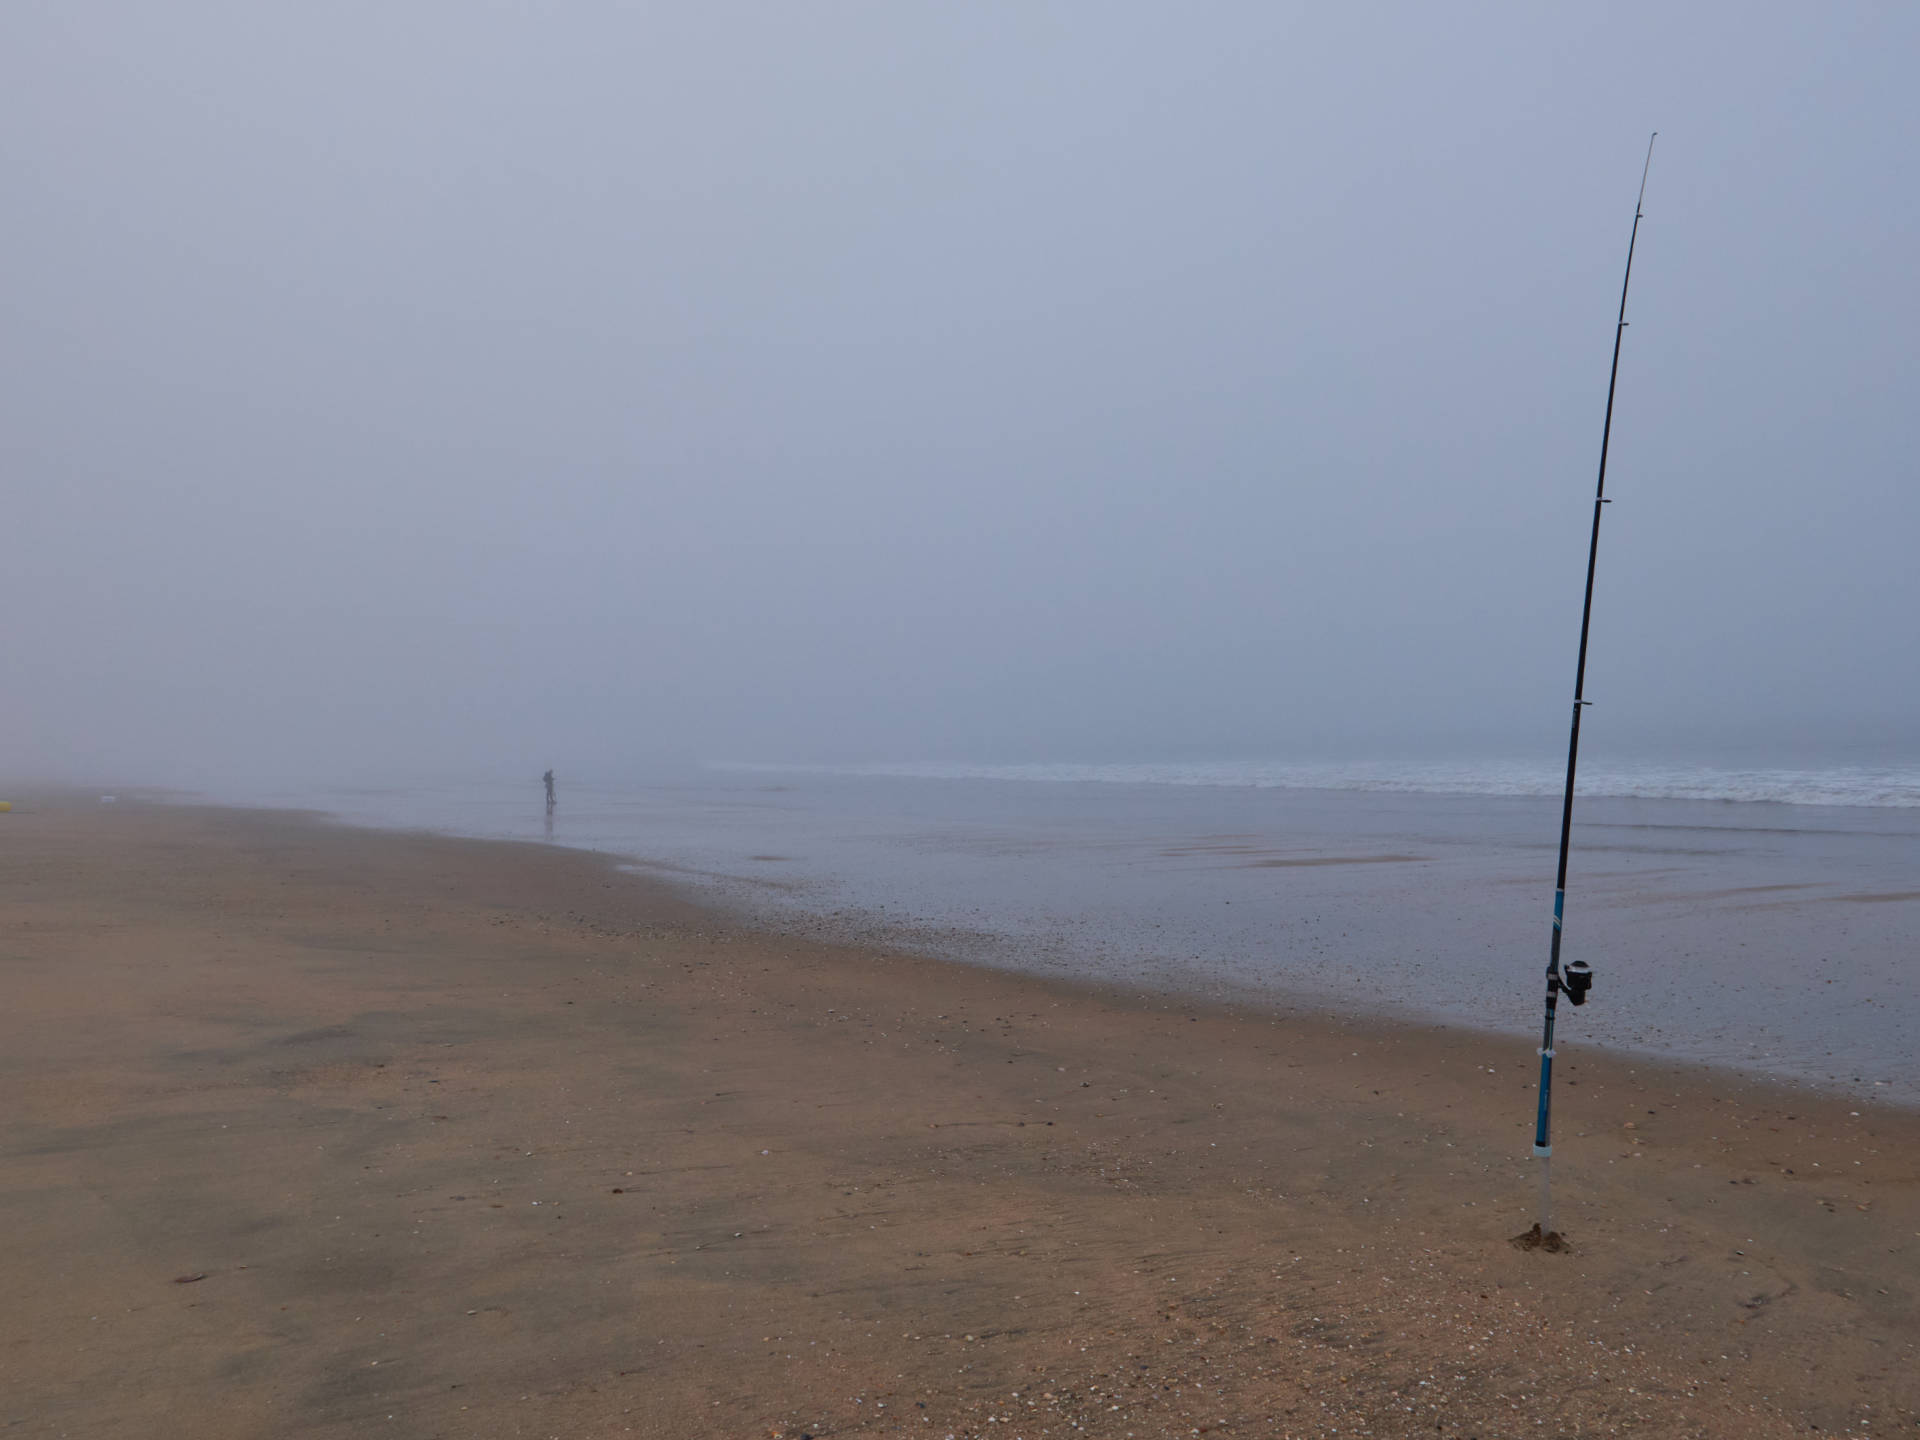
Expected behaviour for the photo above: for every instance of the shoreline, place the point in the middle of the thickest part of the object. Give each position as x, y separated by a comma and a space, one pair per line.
567, 1136
967, 948
759, 901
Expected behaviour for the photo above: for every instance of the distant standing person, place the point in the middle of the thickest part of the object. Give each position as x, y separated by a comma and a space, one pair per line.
548, 779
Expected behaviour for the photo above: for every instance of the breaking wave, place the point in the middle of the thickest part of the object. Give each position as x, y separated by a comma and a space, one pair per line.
1890, 785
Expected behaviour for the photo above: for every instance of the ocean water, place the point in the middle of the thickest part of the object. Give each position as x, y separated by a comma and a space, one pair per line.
1724, 923
1896, 785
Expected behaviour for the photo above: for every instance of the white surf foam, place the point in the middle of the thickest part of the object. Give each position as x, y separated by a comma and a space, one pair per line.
1890, 785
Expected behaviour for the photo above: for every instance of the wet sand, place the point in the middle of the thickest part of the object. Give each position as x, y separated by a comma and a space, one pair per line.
1773, 938
317, 1131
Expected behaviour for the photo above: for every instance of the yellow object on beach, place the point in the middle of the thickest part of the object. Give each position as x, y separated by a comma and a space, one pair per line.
6, 805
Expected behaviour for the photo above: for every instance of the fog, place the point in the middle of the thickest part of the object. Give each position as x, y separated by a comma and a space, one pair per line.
388, 388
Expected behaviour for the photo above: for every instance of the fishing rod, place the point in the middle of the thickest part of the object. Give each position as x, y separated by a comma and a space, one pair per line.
1576, 978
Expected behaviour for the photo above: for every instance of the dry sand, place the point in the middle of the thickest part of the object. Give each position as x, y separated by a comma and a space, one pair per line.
313, 1131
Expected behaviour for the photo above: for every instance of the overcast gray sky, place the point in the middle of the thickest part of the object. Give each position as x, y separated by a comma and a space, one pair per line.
479, 385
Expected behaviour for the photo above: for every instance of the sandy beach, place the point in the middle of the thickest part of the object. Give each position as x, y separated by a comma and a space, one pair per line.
321, 1131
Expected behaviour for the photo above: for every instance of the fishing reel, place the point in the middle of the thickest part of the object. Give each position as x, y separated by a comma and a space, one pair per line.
1577, 976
